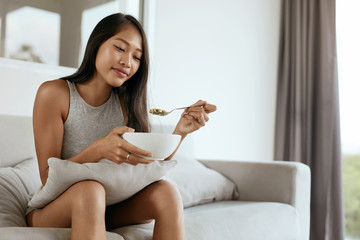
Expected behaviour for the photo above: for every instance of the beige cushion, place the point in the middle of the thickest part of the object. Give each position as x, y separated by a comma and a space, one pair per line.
17, 184
120, 181
198, 184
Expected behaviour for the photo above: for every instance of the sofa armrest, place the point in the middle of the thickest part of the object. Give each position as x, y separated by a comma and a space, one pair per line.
276, 181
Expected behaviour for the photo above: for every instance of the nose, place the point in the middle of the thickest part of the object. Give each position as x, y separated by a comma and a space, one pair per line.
125, 60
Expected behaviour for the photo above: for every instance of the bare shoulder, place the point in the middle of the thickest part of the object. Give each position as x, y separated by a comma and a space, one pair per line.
54, 86
53, 96
54, 89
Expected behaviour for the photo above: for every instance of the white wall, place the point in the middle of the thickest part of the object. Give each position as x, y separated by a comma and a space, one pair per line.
225, 52
19, 82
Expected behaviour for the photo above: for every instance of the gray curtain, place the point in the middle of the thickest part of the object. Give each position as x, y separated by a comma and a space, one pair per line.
307, 117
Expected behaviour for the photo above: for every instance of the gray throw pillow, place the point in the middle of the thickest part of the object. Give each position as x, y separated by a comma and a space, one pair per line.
198, 184
120, 181
17, 184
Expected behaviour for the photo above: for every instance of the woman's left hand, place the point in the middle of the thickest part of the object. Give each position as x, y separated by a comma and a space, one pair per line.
194, 118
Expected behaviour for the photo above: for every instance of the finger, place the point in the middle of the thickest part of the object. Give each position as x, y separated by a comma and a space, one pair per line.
198, 117
196, 124
130, 162
199, 109
115, 158
193, 121
195, 109
123, 129
200, 102
209, 108
187, 117
125, 155
138, 159
206, 117
135, 150
129, 158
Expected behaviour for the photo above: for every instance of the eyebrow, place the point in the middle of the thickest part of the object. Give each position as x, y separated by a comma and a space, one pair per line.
127, 43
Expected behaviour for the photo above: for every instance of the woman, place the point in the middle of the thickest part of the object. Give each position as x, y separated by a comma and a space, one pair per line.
81, 118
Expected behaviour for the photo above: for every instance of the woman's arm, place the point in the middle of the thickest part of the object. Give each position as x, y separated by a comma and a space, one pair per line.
49, 111
191, 120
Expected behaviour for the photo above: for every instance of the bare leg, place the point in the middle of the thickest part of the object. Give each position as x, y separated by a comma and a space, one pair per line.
81, 207
160, 201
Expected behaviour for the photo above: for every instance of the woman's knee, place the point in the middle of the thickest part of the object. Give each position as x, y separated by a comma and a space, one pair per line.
86, 196
165, 196
89, 195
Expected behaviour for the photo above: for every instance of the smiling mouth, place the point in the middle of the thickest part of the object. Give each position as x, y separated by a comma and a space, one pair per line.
121, 73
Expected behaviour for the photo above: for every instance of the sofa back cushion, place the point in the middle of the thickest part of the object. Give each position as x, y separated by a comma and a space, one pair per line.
16, 140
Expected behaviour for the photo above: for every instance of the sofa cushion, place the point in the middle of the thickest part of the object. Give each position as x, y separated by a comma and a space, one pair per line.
16, 233
16, 185
236, 220
230, 220
120, 181
137, 231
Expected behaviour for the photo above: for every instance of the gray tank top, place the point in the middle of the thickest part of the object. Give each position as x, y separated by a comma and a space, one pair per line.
85, 124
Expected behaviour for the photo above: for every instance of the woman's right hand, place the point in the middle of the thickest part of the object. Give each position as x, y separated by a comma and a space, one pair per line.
114, 148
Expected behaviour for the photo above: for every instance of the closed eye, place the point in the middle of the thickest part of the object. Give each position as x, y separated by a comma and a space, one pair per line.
123, 50
119, 48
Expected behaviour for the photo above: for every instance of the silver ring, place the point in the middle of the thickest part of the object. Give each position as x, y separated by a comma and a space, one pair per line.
128, 156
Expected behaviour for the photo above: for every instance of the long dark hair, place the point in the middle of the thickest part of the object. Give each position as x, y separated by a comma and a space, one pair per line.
133, 91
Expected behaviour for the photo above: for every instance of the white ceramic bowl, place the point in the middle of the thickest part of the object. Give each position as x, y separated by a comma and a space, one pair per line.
161, 145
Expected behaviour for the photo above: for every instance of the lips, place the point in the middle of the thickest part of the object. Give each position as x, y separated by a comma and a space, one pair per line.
121, 72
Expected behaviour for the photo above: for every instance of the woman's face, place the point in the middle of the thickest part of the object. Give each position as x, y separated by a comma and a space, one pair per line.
119, 57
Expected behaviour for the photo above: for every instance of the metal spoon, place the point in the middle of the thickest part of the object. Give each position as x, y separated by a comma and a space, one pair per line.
162, 112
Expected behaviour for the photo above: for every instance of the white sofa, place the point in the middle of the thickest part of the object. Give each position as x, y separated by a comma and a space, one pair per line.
273, 201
